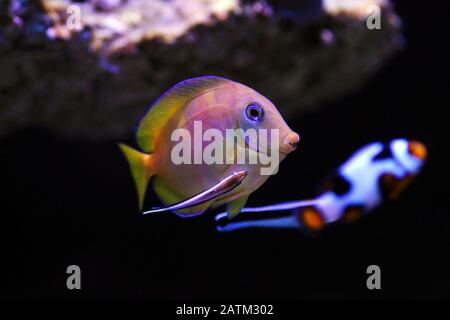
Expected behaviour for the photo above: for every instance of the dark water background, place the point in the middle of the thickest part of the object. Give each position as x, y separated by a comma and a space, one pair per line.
74, 203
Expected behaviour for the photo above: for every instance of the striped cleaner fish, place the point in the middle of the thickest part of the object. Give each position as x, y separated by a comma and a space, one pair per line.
206, 109
376, 173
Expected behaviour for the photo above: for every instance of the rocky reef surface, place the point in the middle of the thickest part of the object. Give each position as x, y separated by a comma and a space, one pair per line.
90, 69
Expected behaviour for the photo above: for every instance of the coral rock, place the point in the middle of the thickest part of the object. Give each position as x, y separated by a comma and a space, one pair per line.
96, 81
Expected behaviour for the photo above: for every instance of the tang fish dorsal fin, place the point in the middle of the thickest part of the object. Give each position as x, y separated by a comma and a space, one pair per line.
168, 104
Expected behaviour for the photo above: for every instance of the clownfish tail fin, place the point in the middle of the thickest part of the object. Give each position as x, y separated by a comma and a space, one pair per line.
141, 170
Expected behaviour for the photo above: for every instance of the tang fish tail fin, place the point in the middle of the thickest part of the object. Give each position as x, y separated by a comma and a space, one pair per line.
140, 170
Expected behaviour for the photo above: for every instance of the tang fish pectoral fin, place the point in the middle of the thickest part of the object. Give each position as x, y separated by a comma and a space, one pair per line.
224, 186
235, 206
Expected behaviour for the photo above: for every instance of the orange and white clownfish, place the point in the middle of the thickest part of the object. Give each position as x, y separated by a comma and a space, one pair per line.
376, 173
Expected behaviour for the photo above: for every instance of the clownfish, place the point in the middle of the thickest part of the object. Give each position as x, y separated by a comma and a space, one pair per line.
189, 187
374, 174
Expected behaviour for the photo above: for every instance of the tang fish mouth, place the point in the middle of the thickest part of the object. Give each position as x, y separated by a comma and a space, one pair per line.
290, 143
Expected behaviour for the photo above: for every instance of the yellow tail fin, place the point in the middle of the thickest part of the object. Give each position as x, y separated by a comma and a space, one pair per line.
140, 170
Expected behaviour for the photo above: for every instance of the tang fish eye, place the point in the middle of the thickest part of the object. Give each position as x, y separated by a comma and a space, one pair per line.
254, 112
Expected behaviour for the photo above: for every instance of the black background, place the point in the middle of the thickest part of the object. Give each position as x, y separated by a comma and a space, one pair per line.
73, 202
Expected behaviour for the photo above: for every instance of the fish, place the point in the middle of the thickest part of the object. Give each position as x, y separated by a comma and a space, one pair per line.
207, 108
222, 187
377, 173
